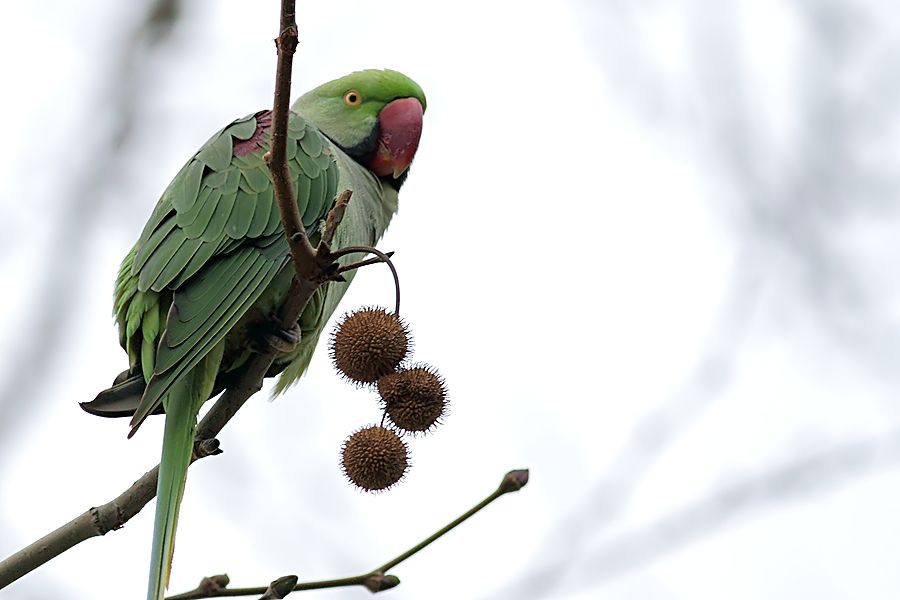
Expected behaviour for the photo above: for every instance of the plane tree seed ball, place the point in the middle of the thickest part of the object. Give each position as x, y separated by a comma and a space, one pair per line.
414, 399
368, 344
374, 458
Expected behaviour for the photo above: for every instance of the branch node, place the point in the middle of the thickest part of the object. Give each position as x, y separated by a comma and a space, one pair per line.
207, 447
280, 588
105, 520
379, 582
288, 38
214, 584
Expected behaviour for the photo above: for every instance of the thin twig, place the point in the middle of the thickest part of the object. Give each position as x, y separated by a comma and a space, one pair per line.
382, 257
334, 219
376, 580
364, 263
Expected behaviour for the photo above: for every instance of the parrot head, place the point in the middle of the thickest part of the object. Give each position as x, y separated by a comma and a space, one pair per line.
375, 116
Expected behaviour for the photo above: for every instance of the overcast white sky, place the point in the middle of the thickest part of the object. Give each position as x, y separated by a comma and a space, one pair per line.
651, 245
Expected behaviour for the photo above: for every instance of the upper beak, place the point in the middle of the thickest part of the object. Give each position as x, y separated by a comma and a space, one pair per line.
400, 124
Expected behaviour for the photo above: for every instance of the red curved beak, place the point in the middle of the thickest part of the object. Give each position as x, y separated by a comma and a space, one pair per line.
400, 124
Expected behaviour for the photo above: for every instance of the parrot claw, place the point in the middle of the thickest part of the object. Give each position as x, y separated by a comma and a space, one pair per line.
270, 336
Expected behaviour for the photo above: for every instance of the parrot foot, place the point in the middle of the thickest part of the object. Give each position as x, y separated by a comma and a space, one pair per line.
270, 336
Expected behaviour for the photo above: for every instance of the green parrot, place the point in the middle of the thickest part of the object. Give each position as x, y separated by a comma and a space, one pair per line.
198, 293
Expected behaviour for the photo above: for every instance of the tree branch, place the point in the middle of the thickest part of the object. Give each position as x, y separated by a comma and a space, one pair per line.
301, 250
375, 580
313, 268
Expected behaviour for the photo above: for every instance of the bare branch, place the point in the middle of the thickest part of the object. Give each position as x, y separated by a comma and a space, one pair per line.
301, 250
95, 521
376, 580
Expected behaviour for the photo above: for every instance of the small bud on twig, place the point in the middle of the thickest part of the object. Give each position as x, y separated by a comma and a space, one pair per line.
280, 588
513, 481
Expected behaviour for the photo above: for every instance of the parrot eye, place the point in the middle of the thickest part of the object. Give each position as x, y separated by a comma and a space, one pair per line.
352, 99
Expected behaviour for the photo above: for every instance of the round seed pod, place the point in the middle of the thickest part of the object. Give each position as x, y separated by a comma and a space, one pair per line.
415, 398
369, 343
374, 458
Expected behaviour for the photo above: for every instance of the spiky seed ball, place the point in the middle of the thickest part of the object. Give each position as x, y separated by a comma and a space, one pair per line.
369, 343
414, 398
374, 458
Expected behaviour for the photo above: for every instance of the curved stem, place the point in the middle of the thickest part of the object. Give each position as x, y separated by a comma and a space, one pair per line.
382, 257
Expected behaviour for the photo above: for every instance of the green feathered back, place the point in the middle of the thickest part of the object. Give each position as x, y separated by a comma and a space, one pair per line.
214, 249
213, 246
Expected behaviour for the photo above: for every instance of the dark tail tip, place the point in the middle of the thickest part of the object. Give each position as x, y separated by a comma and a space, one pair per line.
120, 400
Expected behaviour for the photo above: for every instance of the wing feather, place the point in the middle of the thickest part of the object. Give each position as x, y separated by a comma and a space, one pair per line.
176, 263
173, 362
241, 215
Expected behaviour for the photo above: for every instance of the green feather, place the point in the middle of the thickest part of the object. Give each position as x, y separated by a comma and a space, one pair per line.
176, 264
204, 215
311, 143
257, 178
302, 187
200, 258
308, 166
146, 249
318, 201
217, 155
215, 229
182, 405
265, 203
186, 185
204, 291
291, 149
241, 215
149, 335
242, 129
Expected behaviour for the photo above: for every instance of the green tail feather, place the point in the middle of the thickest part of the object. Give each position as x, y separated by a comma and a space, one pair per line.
178, 441
182, 404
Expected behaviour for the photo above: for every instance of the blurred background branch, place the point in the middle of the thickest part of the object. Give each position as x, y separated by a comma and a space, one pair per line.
100, 143
818, 472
